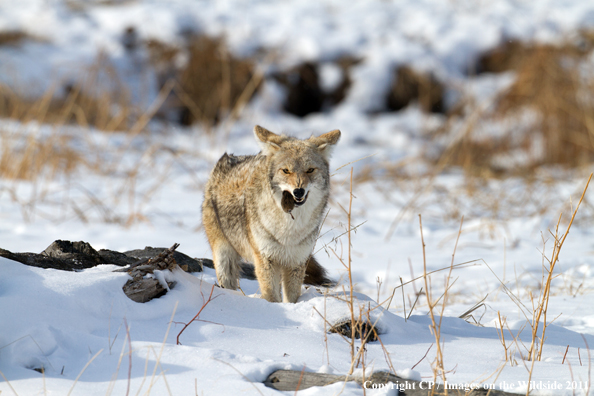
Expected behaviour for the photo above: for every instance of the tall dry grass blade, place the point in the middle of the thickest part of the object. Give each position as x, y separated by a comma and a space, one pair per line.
350, 275
8, 383
543, 304
457, 266
474, 308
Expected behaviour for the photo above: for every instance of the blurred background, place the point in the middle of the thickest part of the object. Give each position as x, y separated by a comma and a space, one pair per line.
114, 111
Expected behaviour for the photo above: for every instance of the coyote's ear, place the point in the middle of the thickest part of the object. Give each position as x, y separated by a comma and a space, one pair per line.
269, 141
326, 142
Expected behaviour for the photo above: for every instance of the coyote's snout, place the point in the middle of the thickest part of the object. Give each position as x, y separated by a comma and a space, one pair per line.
268, 208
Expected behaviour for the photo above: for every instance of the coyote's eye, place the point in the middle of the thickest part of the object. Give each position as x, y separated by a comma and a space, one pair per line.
286, 171
310, 170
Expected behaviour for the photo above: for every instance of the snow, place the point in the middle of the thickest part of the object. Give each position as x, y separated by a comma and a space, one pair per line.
92, 340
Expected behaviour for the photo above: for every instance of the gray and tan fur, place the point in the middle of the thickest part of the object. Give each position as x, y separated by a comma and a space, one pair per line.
245, 217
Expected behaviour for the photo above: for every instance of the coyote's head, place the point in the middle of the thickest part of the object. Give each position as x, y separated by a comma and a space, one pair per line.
297, 167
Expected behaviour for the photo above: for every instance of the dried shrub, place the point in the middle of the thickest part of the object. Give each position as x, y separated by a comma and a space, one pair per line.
505, 57
162, 56
409, 86
81, 6
549, 81
12, 37
98, 101
207, 88
546, 116
212, 81
35, 157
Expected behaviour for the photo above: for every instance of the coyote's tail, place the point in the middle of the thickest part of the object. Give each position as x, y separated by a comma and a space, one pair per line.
315, 274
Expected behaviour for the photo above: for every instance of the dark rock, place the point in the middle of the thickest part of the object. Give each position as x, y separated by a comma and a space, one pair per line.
80, 254
363, 329
145, 289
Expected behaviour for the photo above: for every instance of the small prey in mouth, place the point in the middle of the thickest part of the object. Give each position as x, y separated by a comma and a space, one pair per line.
288, 202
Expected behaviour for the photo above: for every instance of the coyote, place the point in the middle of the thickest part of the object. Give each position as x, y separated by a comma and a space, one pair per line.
267, 209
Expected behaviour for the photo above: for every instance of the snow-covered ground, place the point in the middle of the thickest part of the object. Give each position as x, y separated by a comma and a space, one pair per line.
149, 192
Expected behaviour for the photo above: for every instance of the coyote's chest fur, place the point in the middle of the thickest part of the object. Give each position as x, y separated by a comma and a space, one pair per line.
244, 215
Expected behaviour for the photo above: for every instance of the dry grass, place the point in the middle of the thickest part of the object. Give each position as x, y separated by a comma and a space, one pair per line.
35, 157
213, 79
12, 37
128, 173
208, 88
348, 296
437, 365
547, 113
212, 82
542, 303
98, 100
410, 86
550, 82
80, 6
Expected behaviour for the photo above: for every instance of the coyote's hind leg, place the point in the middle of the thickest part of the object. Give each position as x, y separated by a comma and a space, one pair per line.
226, 262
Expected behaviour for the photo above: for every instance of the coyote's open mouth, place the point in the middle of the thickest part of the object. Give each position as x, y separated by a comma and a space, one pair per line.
299, 202
289, 202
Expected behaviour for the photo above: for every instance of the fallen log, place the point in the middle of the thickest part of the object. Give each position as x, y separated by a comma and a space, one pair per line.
293, 380
77, 256
37, 260
185, 262
69, 256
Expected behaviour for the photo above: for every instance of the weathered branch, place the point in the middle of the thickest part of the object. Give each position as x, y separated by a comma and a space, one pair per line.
292, 380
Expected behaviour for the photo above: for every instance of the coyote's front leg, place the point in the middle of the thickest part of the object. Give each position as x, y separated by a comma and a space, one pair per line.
292, 281
269, 278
